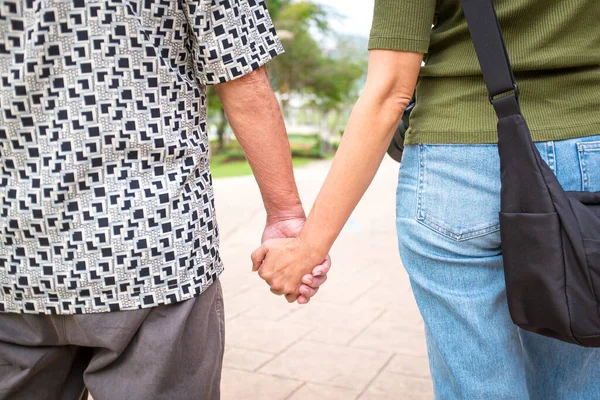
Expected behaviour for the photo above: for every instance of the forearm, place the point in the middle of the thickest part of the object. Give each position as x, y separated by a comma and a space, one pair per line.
256, 120
361, 151
365, 141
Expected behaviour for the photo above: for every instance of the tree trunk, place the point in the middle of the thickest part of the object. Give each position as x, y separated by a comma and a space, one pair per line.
324, 135
221, 131
284, 107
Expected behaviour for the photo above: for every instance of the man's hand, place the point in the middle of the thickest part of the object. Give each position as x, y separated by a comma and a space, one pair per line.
283, 263
289, 227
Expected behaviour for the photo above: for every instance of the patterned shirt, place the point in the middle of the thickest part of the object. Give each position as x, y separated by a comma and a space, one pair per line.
106, 198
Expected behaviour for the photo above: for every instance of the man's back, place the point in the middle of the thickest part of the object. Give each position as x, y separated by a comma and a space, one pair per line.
106, 192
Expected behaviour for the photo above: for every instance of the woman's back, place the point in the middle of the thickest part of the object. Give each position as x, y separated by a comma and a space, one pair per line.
554, 46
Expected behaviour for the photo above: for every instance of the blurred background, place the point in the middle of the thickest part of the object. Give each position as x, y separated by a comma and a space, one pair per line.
362, 336
317, 80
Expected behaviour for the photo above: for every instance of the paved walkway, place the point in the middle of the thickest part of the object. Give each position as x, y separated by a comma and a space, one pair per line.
360, 338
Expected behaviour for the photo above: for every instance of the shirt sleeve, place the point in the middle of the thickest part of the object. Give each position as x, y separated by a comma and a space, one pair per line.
233, 38
402, 25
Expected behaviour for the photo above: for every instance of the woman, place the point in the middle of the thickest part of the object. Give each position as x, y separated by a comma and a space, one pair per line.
449, 185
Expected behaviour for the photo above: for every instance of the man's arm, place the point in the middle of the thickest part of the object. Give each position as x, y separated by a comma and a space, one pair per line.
255, 116
256, 120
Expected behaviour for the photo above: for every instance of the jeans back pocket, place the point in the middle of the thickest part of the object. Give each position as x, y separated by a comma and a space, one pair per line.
459, 190
589, 161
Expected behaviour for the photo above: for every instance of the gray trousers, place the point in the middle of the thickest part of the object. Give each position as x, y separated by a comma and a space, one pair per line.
167, 352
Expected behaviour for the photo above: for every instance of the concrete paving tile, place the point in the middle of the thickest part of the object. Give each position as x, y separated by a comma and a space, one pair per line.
328, 350
248, 360
343, 290
270, 307
262, 335
405, 315
388, 386
324, 364
409, 365
387, 334
333, 335
235, 305
236, 285
319, 392
334, 315
241, 385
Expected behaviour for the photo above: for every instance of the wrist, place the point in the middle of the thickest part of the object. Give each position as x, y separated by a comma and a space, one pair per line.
284, 212
317, 247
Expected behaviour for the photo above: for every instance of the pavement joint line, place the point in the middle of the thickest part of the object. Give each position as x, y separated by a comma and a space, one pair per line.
286, 348
345, 304
229, 319
376, 376
364, 293
363, 330
347, 347
288, 314
308, 381
272, 355
295, 391
287, 378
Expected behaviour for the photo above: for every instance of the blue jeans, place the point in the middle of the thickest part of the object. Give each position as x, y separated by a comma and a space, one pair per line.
449, 240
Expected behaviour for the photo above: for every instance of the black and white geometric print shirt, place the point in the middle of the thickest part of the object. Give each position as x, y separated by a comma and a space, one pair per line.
106, 198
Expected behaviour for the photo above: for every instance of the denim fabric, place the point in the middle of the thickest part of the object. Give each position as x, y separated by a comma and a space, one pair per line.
449, 240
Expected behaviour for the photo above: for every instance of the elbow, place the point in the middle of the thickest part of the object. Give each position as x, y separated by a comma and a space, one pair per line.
390, 97
396, 102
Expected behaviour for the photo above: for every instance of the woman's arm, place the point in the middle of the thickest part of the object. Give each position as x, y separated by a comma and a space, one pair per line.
391, 81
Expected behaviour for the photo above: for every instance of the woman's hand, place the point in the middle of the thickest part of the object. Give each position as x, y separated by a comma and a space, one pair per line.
289, 226
283, 263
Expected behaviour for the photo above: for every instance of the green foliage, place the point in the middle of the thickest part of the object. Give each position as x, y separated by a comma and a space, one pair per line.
307, 67
337, 76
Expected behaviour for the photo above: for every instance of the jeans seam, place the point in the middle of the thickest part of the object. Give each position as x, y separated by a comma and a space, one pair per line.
421, 187
582, 150
582, 166
459, 237
551, 153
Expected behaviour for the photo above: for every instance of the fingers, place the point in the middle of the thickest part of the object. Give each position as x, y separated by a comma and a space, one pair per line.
280, 290
323, 269
303, 300
314, 281
291, 297
258, 256
308, 291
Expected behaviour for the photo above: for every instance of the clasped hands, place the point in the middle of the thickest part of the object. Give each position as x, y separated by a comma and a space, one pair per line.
287, 265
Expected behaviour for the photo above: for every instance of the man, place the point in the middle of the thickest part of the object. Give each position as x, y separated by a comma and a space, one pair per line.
109, 260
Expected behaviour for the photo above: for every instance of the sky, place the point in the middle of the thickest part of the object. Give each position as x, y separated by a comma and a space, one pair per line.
358, 15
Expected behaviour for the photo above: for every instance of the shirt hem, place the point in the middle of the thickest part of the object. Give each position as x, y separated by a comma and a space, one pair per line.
398, 44
138, 306
491, 137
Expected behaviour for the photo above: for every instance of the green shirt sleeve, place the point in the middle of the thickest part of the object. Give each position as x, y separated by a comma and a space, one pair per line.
402, 25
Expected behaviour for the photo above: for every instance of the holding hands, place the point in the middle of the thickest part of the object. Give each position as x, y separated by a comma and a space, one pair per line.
288, 265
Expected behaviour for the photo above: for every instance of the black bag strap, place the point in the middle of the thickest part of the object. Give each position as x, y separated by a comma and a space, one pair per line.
493, 57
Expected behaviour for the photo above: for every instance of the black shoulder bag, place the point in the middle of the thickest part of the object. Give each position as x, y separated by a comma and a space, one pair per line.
550, 238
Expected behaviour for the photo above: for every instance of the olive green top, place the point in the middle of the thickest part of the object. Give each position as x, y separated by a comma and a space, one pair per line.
554, 47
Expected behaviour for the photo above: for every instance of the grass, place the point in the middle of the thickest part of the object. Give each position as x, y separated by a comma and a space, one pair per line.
223, 166
231, 162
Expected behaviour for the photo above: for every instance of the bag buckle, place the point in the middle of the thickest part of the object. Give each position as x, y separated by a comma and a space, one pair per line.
515, 90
